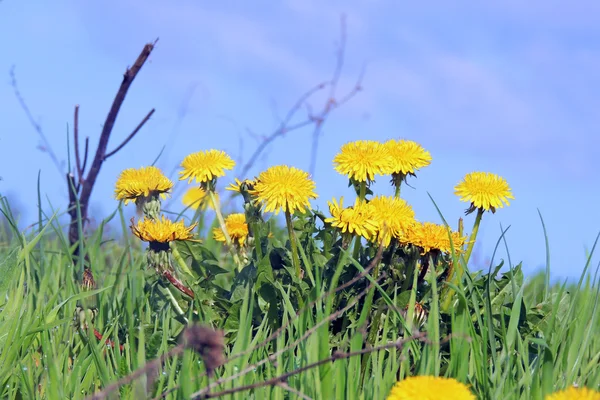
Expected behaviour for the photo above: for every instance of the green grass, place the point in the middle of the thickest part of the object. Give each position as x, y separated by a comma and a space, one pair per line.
511, 338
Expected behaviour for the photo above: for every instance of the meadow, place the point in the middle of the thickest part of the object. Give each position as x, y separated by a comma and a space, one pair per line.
282, 301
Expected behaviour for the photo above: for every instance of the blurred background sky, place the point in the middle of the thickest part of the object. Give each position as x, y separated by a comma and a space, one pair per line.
511, 88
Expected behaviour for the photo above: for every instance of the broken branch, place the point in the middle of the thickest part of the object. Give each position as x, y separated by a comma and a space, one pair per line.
88, 183
131, 135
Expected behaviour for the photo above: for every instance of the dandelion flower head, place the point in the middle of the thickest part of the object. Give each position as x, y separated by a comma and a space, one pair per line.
237, 228
430, 388
162, 231
284, 188
484, 190
357, 219
203, 166
134, 183
430, 236
362, 160
407, 156
196, 197
574, 393
394, 217
237, 186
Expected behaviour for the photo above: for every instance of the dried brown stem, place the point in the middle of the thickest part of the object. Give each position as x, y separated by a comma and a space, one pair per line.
178, 284
283, 127
308, 333
108, 341
340, 56
338, 355
278, 332
292, 345
315, 119
38, 128
85, 153
330, 102
88, 183
131, 135
76, 145
147, 368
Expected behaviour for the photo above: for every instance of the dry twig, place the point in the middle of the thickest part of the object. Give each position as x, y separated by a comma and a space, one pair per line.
147, 368
315, 119
325, 295
338, 355
45, 146
306, 335
207, 342
80, 192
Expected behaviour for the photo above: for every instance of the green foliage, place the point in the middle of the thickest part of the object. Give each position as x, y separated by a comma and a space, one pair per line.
504, 336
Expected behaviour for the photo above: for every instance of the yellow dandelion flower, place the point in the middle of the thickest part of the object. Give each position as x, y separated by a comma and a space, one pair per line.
362, 160
196, 197
357, 219
394, 217
430, 236
407, 156
236, 227
236, 187
135, 183
574, 393
162, 231
284, 188
430, 388
205, 165
484, 190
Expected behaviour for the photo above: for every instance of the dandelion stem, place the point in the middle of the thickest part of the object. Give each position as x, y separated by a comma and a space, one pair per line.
357, 244
294, 245
174, 303
456, 269
397, 194
363, 191
334, 280
180, 261
473, 236
217, 208
356, 250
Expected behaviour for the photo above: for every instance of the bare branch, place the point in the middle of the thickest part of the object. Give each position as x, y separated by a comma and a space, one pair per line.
340, 57
272, 357
38, 128
72, 187
90, 180
325, 295
338, 355
76, 145
283, 127
315, 119
307, 334
131, 135
85, 153
178, 284
147, 368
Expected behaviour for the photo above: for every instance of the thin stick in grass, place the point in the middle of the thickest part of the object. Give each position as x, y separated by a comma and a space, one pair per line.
276, 334
305, 336
338, 355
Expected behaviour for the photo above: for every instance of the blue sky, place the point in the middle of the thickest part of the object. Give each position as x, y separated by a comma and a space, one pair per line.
510, 88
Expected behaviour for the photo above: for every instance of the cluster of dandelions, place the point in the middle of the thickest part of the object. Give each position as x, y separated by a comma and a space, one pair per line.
382, 218
146, 187
378, 219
